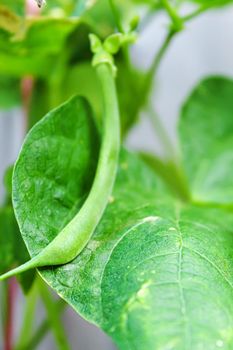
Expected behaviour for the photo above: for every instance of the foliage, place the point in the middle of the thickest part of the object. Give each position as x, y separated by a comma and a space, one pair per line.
157, 271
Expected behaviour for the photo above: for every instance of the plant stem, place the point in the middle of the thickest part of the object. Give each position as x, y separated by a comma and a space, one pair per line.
194, 14
162, 134
160, 130
42, 330
11, 293
171, 174
176, 20
27, 324
157, 60
125, 49
53, 317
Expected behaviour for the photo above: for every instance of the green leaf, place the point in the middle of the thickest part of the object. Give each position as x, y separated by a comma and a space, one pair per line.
156, 275
131, 92
82, 80
35, 48
9, 21
83, 5
55, 171
68, 7
166, 281
206, 129
15, 6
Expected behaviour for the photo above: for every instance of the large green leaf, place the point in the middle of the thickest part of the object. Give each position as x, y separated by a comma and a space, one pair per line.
167, 280
206, 133
158, 273
54, 171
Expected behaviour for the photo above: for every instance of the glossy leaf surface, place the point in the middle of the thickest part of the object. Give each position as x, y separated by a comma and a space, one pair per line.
157, 273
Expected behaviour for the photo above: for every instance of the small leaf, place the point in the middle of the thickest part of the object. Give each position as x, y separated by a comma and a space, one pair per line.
113, 43
206, 134
96, 44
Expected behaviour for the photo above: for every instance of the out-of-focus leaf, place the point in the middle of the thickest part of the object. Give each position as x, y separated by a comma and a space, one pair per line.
82, 80
206, 134
39, 103
34, 50
83, 5
8, 20
67, 173
131, 94
15, 6
68, 7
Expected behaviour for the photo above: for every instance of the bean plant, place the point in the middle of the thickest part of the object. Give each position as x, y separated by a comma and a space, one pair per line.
138, 244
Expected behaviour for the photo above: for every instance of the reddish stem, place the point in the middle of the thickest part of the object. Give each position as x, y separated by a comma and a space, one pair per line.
26, 93
9, 329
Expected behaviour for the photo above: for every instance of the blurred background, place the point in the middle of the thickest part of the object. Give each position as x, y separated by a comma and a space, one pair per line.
204, 48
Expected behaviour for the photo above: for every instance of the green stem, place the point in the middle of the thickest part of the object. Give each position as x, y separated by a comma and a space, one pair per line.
26, 328
150, 76
157, 60
162, 134
171, 174
200, 10
43, 329
75, 236
176, 20
53, 317
194, 14
125, 48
